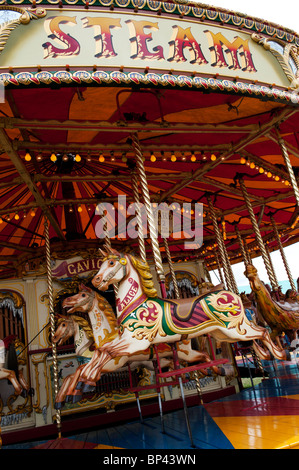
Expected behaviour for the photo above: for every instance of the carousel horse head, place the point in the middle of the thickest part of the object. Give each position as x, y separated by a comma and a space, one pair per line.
113, 269
65, 330
68, 327
251, 274
117, 266
81, 302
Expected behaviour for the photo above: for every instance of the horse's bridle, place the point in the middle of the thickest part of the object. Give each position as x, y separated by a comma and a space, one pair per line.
122, 265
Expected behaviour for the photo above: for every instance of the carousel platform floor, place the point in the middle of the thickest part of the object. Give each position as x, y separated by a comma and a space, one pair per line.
265, 416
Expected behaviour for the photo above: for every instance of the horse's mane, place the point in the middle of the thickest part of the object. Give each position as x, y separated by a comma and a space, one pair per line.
107, 310
146, 277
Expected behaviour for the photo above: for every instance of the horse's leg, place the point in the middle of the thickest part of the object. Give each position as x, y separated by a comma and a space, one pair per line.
11, 376
60, 397
92, 372
71, 391
251, 332
22, 380
118, 347
204, 357
276, 350
191, 355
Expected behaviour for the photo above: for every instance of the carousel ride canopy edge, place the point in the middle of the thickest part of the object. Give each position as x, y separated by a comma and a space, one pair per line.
77, 43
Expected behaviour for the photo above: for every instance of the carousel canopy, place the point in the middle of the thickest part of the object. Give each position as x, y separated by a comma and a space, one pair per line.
212, 101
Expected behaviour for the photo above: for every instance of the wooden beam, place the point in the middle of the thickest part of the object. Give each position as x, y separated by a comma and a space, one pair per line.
127, 127
17, 246
287, 112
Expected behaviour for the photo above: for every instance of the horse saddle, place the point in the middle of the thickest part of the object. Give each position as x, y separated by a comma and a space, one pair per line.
183, 309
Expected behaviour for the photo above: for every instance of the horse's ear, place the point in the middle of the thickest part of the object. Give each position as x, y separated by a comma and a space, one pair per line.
103, 253
84, 287
111, 250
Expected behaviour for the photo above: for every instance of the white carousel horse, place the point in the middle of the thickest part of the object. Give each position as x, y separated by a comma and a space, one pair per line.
16, 377
89, 341
144, 319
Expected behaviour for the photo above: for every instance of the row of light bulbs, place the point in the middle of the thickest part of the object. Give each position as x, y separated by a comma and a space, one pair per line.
17, 216
102, 158
260, 169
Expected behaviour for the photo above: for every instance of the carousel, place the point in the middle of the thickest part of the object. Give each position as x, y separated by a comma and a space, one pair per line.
144, 144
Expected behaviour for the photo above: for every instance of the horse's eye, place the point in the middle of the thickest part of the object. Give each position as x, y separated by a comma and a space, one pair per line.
111, 263
63, 324
83, 295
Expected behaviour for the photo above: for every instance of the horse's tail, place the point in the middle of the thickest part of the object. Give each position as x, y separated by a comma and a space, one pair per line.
12, 360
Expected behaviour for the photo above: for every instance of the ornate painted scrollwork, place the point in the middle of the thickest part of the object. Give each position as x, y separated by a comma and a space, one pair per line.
25, 17
286, 54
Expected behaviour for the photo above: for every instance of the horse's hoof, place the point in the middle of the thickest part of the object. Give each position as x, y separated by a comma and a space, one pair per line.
222, 371
79, 385
31, 392
68, 399
76, 398
58, 405
88, 388
24, 393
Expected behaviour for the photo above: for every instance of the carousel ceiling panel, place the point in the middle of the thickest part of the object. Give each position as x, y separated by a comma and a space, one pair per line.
99, 121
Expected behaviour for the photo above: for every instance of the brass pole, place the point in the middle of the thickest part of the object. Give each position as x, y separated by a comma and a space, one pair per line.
173, 278
284, 259
272, 267
219, 267
229, 277
241, 244
289, 166
247, 252
52, 321
258, 235
150, 215
220, 245
141, 243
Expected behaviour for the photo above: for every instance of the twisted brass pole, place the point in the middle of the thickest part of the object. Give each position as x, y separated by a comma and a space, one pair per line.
219, 267
247, 252
289, 166
172, 273
108, 243
141, 243
149, 211
228, 273
52, 321
272, 267
258, 235
241, 244
220, 245
291, 280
